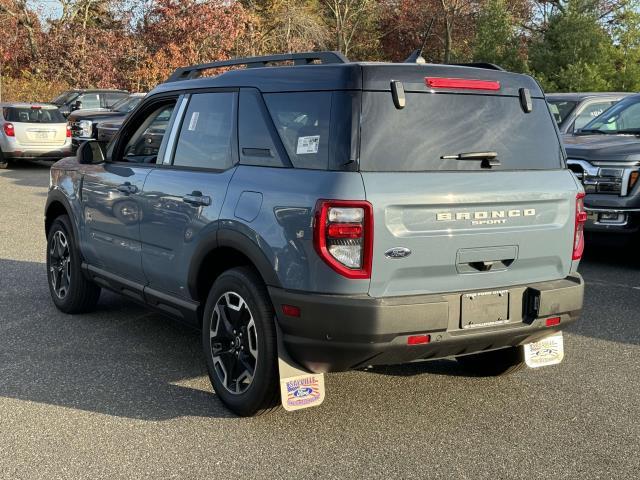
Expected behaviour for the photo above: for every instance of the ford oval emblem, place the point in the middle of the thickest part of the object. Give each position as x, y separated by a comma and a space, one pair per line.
397, 252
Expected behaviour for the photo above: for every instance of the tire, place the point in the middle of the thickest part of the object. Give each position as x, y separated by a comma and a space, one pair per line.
4, 163
70, 290
495, 363
245, 344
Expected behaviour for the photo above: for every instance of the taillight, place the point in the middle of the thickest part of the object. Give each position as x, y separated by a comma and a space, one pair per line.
68, 131
343, 236
9, 130
462, 83
581, 218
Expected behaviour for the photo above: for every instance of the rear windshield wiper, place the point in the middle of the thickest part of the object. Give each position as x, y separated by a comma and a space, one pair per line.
488, 159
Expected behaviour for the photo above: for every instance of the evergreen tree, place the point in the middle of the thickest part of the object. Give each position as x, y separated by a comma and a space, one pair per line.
575, 53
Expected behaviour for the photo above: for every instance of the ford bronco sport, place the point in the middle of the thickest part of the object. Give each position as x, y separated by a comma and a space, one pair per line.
331, 216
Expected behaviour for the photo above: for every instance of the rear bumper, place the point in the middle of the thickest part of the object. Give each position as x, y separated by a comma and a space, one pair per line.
50, 153
337, 333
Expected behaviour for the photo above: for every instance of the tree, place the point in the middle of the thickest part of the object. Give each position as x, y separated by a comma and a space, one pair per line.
352, 22
177, 33
286, 26
575, 51
626, 34
497, 39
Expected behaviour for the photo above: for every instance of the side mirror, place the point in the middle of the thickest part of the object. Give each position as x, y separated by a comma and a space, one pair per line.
90, 153
77, 105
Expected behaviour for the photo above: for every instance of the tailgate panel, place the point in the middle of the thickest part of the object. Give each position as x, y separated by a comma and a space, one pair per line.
451, 221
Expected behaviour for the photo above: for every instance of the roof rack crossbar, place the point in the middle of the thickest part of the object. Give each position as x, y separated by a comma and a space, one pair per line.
308, 58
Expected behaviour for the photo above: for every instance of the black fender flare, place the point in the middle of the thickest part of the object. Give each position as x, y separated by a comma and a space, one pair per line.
225, 237
59, 197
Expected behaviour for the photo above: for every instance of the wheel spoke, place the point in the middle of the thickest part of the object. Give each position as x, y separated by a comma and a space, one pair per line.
234, 342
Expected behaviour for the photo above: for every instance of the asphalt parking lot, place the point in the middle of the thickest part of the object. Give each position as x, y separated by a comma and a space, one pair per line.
123, 393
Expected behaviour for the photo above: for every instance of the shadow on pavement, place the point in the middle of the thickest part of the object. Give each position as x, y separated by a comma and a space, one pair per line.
28, 173
121, 360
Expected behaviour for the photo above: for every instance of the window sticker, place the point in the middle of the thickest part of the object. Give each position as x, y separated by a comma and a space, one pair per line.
308, 145
194, 121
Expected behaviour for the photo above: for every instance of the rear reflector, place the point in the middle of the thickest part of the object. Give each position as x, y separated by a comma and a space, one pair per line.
462, 83
418, 339
552, 322
291, 310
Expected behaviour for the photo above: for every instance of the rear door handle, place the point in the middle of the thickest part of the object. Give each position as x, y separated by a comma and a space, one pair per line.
196, 198
127, 188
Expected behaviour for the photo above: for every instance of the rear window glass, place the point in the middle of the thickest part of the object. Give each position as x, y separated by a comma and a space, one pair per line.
33, 115
561, 109
435, 125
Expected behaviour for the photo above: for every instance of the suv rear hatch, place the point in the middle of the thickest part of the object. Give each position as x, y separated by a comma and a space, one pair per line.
37, 125
454, 224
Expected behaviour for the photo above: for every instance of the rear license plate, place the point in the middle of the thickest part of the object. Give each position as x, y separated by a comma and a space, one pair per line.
42, 135
485, 309
548, 351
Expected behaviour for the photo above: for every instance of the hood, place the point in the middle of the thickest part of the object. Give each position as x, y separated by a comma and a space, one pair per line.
112, 122
614, 148
93, 115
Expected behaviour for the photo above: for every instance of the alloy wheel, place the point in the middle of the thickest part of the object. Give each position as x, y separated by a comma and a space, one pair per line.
60, 264
234, 343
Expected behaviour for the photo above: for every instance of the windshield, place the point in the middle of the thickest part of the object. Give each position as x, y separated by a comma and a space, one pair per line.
126, 104
621, 118
561, 109
64, 98
33, 115
456, 132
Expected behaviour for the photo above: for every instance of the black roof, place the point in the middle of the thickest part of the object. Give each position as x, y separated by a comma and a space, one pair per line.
342, 75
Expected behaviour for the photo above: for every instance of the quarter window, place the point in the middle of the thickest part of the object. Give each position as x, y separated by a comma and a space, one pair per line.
206, 134
303, 121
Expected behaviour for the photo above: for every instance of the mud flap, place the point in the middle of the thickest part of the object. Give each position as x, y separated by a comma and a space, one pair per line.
298, 388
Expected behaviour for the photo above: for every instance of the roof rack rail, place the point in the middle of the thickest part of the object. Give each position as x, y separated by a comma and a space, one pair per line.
308, 58
488, 66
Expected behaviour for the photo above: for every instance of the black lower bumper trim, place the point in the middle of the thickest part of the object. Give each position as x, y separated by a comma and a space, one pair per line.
337, 333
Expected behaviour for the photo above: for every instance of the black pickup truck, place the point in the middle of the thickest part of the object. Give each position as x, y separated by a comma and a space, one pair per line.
605, 156
84, 123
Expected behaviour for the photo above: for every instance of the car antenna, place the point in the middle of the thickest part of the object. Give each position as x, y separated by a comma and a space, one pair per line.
416, 55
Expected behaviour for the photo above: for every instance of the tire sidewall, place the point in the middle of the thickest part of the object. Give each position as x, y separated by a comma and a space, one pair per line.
247, 286
62, 223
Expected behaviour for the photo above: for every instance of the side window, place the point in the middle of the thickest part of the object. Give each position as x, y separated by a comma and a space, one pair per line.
590, 112
303, 122
206, 134
257, 146
89, 100
144, 144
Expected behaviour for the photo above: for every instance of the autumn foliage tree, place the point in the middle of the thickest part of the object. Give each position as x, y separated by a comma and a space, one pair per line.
567, 44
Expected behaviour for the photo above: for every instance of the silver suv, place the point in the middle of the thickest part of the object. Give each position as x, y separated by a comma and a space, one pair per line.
32, 131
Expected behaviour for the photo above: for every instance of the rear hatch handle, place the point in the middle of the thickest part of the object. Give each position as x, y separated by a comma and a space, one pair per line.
488, 159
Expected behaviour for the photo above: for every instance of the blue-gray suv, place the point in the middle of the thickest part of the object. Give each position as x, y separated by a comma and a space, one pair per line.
346, 214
